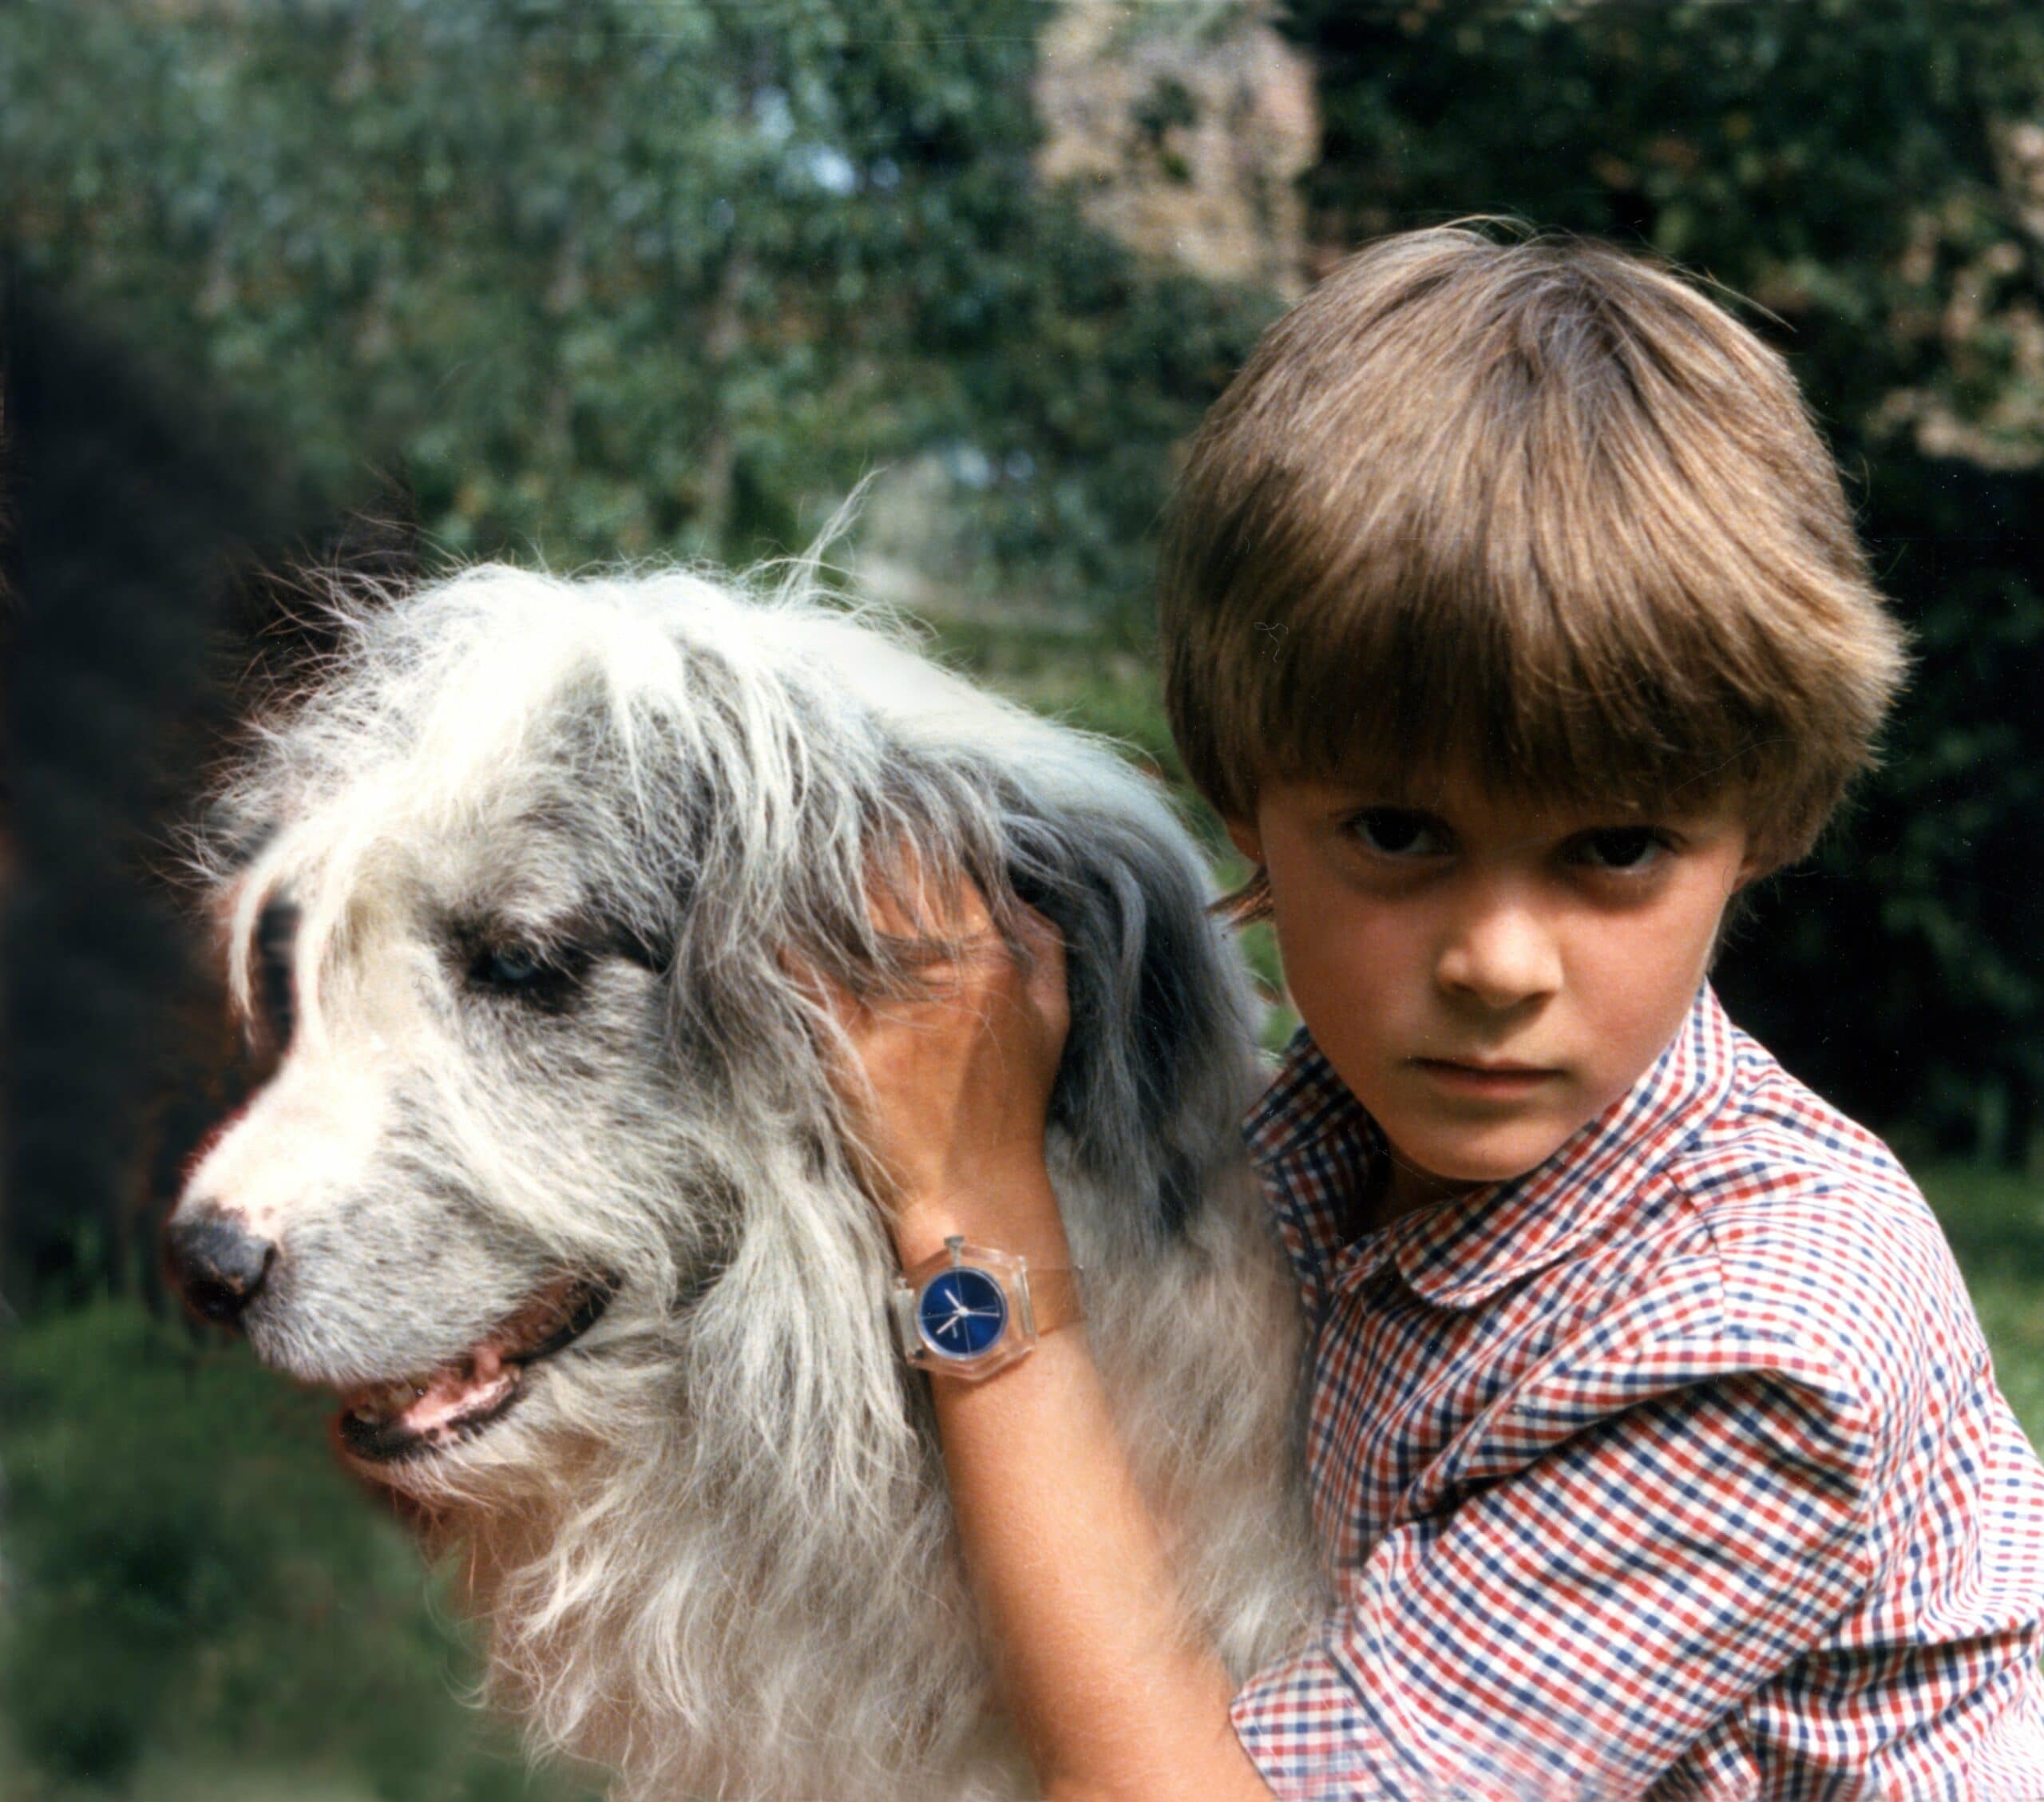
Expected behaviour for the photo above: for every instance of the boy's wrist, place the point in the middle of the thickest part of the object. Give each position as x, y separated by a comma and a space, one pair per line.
1017, 1215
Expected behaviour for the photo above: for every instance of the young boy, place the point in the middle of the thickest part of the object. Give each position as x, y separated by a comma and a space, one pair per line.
1513, 621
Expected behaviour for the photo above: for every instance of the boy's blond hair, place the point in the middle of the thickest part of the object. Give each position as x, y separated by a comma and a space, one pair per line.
1534, 508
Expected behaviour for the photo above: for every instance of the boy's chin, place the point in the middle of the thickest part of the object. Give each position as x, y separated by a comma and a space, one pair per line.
1465, 1160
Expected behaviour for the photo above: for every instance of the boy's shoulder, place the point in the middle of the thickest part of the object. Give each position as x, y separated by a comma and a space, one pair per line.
1823, 1259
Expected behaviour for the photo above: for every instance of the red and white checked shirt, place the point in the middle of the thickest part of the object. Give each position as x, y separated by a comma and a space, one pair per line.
1674, 1468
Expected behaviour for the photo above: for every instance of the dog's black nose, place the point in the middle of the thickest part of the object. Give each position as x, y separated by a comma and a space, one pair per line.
218, 1263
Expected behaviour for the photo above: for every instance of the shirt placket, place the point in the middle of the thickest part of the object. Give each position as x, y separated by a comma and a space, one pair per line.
1349, 1492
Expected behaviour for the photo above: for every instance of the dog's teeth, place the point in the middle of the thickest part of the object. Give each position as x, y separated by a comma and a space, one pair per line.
386, 1401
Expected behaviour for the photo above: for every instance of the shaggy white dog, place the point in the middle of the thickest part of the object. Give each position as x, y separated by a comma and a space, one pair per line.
551, 1184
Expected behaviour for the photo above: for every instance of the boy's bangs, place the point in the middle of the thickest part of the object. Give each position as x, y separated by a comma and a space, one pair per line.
1537, 512
1433, 680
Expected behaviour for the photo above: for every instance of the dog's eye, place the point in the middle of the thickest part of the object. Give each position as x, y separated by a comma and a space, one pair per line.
276, 932
509, 967
523, 972
513, 968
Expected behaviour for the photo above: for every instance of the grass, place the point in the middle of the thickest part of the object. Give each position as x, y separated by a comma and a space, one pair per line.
195, 1594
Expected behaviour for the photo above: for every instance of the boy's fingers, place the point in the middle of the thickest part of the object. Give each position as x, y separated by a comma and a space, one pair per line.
910, 904
1044, 945
947, 932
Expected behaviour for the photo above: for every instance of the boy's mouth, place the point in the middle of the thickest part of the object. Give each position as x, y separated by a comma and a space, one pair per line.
1496, 1080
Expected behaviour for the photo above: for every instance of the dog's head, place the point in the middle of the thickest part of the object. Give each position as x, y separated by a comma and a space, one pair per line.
521, 889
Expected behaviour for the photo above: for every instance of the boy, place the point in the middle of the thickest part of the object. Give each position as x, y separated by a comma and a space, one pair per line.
1513, 621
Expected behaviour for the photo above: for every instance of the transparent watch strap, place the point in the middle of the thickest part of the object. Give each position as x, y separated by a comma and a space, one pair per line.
1055, 1299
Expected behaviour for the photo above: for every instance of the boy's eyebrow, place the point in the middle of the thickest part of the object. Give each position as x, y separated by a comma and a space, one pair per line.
1393, 786
1411, 794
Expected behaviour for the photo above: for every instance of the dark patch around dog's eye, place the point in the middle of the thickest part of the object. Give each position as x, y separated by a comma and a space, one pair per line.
545, 979
545, 970
276, 993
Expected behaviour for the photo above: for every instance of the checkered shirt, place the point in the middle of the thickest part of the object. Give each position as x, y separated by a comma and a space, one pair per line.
1674, 1468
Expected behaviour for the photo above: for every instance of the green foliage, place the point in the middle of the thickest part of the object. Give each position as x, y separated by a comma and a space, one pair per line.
1996, 1222
190, 1582
621, 277
1872, 172
658, 277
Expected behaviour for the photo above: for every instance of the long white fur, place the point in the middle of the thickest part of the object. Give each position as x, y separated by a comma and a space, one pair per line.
712, 1543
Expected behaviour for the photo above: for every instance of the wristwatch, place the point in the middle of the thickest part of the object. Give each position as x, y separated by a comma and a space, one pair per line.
966, 1311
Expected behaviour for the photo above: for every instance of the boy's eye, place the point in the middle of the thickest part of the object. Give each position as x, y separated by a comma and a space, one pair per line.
1398, 832
1622, 847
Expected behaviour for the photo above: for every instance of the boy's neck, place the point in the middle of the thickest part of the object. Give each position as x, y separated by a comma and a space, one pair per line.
1396, 1188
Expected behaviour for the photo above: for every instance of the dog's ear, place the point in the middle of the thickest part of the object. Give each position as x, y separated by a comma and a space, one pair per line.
1158, 1061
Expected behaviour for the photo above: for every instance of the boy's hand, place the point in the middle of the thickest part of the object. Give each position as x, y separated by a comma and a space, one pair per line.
1115, 1692
953, 1091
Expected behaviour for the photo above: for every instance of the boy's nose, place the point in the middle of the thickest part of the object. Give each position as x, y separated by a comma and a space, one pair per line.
1501, 953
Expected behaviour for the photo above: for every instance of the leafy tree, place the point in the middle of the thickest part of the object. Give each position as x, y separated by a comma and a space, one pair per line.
633, 277
591, 280
624, 276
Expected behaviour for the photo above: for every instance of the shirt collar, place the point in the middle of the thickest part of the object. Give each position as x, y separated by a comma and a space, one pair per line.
1462, 1250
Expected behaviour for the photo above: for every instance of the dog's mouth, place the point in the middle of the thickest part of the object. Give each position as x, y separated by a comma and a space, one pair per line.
384, 1422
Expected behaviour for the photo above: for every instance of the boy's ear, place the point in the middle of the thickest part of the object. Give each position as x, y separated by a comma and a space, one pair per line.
1246, 839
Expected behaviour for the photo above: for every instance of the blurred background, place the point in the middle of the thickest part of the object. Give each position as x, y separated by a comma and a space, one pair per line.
576, 281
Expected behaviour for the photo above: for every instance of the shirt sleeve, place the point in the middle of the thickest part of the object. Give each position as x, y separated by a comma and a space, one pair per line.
1580, 1602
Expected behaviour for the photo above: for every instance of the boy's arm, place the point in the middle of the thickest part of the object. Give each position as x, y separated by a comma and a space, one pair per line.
1605, 1612
1113, 1696
1116, 1694
1652, 1533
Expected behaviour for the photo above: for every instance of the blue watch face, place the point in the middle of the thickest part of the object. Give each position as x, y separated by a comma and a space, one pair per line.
962, 1312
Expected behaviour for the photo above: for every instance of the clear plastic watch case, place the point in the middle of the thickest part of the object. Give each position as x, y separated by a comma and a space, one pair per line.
964, 1311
